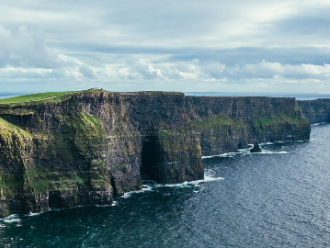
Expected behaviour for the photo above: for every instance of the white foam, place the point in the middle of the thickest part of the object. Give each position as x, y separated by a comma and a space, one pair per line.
128, 194
246, 151
209, 173
265, 152
190, 184
14, 218
144, 188
272, 152
103, 205
223, 155
320, 123
207, 178
35, 214
211, 179
211, 156
179, 185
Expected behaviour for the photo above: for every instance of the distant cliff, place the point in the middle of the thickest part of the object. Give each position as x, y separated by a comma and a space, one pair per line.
316, 111
86, 147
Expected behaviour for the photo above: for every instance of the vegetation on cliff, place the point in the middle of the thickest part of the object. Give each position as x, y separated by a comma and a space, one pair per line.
316, 111
7, 130
58, 152
279, 119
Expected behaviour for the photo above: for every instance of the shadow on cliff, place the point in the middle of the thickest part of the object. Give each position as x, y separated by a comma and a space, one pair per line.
152, 157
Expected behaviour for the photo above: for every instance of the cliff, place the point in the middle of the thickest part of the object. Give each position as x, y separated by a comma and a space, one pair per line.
84, 148
229, 123
316, 111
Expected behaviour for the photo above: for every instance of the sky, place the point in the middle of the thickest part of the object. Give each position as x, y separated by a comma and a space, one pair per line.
187, 45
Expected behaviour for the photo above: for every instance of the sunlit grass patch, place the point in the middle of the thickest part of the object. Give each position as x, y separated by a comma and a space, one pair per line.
49, 96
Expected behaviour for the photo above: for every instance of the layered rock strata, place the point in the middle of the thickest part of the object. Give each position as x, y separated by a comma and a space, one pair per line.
87, 147
316, 111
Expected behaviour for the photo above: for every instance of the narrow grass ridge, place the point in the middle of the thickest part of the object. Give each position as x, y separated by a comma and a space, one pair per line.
46, 96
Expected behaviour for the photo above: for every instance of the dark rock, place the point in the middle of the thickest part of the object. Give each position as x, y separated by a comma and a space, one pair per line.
256, 147
316, 111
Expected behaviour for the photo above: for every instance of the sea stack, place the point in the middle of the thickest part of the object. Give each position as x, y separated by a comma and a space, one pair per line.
256, 147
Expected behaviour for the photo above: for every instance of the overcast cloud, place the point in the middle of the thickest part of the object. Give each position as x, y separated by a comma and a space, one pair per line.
211, 45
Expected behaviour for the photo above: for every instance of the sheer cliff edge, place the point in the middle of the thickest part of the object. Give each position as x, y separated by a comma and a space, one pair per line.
84, 148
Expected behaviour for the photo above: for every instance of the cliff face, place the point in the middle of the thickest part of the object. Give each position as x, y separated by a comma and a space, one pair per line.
229, 123
87, 147
316, 111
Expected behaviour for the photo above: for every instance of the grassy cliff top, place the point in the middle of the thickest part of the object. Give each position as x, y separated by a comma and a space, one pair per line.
40, 97
60, 96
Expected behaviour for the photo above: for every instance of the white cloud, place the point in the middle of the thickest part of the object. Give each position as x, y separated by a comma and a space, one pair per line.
87, 72
25, 48
238, 45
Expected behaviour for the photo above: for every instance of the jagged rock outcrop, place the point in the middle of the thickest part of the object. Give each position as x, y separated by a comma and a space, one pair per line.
255, 148
86, 147
316, 111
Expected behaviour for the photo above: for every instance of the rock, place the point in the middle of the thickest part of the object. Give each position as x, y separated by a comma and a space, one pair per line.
256, 147
316, 111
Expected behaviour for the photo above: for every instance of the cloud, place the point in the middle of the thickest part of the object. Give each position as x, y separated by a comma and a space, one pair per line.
275, 70
87, 72
166, 45
24, 49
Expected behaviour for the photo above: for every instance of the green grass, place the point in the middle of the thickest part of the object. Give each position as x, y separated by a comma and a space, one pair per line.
51, 96
85, 125
9, 129
217, 121
42, 180
280, 119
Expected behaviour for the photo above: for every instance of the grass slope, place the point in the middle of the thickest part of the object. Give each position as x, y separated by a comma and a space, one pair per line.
34, 97
7, 130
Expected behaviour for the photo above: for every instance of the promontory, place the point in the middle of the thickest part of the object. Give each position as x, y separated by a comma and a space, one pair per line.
67, 149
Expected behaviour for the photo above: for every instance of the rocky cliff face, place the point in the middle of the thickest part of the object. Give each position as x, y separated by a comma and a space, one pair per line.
87, 147
229, 123
316, 111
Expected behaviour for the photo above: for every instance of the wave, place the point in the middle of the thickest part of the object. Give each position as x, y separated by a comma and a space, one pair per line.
145, 187
273, 152
223, 155
209, 176
35, 214
14, 218
319, 123
246, 151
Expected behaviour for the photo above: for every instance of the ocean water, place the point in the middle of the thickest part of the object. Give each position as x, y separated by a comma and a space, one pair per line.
279, 198
10, 94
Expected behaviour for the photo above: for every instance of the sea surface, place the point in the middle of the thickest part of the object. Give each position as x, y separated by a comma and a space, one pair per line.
277, 198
